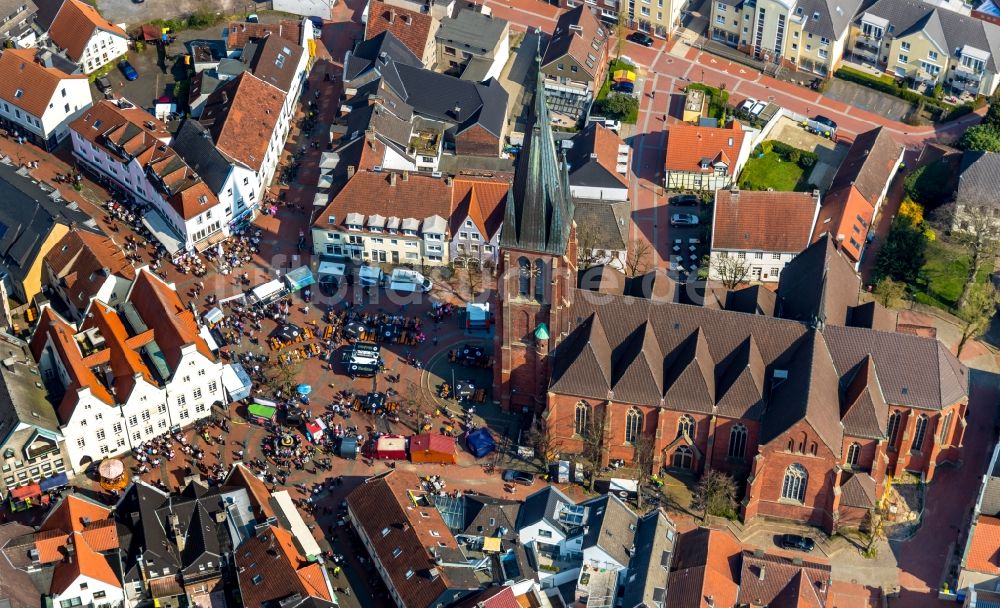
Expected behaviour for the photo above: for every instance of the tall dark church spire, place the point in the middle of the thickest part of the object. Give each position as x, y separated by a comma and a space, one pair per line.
539, 206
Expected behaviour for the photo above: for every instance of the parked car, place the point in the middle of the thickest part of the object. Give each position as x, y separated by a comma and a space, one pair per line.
641, 38
515, 476
685, 200
614, 125
623, 87
757, 109
253, 18
821, 125
797, 542
128, 70
683, 219
748, 105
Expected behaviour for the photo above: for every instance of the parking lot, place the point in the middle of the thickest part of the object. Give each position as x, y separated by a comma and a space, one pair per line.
133, 13
688, 243
865, 98
831, 154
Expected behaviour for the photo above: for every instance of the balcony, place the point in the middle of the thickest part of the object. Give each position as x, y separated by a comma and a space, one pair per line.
552, 563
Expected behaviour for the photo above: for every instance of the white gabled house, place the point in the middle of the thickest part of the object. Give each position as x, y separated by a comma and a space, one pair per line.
87, 38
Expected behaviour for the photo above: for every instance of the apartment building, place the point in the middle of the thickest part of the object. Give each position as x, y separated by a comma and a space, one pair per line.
478, 207
38, 99
414, 27
472, 45
32, 449
705, 158
127, 373
126, 145
806, 34
85, 265
87, 38
928, 45
575, 62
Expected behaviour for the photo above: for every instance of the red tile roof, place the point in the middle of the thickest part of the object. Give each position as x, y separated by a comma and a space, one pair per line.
984, 547
761, 220
173, 324
482, 200
238, 33
706, 563
82, 260
374, 193
271, 569
37, 84
777, 582
688, 145
411, 27
241, 115
75, 24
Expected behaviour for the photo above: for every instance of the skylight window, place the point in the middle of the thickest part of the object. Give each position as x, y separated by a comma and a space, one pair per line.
19, 93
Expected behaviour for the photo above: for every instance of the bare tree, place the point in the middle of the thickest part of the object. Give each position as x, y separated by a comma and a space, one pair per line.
588, 254
889, 293
593, 443
620, 26
637, 258
715, 494
975, 230
643, 460
977, 312
542, 441
282, 378
730, 270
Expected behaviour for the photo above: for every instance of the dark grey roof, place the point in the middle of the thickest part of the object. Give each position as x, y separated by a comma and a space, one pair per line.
819, 286
230, 68
27, 216
540, 208
471, 31
654, 546
611, 527
604, 223
453, 100
755, 299
979, 178
948, 29
583, 164
542, 506
481, 510
386, 46
194, 144
868, 163
989, 500
24, 407
834, 16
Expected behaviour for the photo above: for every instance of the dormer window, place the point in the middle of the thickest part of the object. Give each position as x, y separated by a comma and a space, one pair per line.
19, 93
705, 164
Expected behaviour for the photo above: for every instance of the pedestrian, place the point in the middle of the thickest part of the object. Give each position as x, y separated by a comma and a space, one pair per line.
434, 341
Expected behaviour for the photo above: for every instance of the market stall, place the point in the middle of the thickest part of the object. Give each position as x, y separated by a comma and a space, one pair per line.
348, 447
299, 278
236, 381
26, 497
315, 429
390, 447
480, 442
428, 447
262, 413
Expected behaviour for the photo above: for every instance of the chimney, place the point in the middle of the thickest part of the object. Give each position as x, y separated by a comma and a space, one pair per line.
392, 179
392, 15
457, 110
760, 573
350, 171
447, 180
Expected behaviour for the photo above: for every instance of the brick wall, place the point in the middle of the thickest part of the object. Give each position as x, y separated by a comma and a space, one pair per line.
477, 141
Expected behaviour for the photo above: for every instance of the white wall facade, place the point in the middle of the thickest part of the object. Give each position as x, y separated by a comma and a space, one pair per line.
71, 98
102, 48
599, 193
764, 266
91, 592
469, 245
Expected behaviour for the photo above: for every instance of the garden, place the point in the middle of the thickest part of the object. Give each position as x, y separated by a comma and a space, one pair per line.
778, 166
617, 106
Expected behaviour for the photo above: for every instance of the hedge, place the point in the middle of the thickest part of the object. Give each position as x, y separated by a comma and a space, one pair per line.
802, 158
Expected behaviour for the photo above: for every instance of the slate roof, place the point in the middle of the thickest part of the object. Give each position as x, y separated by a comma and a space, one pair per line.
377, 52
774, 580
437, 96
26, 220
21, 401
989, 502
655, 537
948, 29
611, 527
602, 224
241, 115
383, 503
411, 27
593, 158
539, 211
592, 39
762, 220
818, 286
706, 562
542, 506
834, 16
193, 142
274, 60
481, 509
979, 178
471, 31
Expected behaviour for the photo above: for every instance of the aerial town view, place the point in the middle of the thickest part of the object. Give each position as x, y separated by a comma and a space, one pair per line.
499, 303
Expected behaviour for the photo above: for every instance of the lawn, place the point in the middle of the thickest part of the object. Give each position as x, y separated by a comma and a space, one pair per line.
942, 276
770, 171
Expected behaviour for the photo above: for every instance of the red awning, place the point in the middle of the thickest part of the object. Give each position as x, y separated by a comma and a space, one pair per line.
29, 491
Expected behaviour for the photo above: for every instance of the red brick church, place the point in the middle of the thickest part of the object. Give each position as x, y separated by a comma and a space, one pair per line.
808, 397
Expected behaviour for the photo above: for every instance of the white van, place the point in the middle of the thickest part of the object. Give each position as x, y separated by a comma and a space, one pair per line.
409, 281
369, 276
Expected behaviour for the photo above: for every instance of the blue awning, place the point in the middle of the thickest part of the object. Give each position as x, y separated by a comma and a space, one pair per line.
56, 481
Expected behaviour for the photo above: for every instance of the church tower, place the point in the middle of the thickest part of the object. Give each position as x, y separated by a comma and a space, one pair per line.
537, 266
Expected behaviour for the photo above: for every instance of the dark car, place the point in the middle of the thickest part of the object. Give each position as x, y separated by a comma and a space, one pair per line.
796, 542
128, 70
641, 38
515, 476
685, 200
623, 87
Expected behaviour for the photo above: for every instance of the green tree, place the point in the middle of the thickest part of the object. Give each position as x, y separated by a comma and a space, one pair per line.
977, 232
619, 105
977, 312
903, 254
715, 494
930, 184
889, 293
992, 118
980, 138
